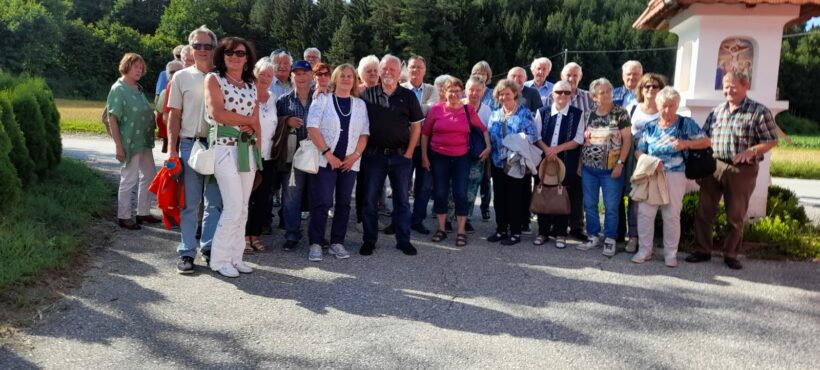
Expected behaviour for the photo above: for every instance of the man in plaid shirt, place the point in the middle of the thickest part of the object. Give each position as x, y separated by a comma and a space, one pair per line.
742, 130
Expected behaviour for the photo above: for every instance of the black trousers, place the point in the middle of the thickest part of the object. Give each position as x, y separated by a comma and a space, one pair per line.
511, 196
576, 203
260, 203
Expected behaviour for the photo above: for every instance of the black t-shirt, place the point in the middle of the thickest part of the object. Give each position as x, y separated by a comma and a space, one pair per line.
390, 116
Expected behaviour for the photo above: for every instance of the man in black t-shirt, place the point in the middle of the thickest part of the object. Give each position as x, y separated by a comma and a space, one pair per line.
395, 125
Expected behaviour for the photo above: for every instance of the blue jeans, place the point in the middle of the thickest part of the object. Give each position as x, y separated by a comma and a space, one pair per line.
422, 189
189, 216
322, 187
450, 173
594, 181
292, 204
379, 166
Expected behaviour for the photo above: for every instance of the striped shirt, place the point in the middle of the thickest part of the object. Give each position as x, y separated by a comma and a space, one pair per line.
734, 132
581, 100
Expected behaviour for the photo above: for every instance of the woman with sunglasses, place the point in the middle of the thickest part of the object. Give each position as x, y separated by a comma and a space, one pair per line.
641, 112
233, 115
321, 79
560, 135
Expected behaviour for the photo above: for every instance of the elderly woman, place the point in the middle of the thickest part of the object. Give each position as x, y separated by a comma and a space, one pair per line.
368, 72
666, 138
321, 78
560, 134
233, 114
260, 202
641, 112
607, 140
482, 70
445, 151
339, 127
511, 193
131, 124
439, 84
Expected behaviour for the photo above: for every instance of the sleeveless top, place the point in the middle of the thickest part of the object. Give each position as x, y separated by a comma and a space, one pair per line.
238, 100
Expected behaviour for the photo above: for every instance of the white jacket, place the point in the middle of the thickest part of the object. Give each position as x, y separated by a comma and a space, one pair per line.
520, 155
323, 116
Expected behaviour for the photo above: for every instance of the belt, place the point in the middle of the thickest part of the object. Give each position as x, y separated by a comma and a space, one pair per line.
196, 138
732, 163
389, 151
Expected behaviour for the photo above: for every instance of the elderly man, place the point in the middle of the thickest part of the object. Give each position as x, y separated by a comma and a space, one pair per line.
293, 110
186, 100
631, 73
540, 68
162, 79
281, 75
395, 125
312, 56
742, 131
529, 97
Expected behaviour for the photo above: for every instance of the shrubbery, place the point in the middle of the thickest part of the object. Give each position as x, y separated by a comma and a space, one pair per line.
19, 152
792, 124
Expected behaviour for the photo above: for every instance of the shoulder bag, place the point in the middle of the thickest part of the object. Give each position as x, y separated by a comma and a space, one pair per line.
550, 200
476, 138
699, 163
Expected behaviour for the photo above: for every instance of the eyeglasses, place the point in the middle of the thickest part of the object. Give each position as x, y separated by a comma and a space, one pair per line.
650, 87
322, 74
207, 47
177, 56
563, 92
238, 53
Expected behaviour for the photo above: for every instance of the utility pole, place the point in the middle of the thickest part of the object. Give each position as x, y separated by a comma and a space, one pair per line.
565, 56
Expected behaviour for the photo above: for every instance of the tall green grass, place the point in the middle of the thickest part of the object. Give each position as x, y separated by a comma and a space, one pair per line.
45, 229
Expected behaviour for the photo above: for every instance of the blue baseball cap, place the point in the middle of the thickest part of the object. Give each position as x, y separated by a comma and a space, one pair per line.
301, 64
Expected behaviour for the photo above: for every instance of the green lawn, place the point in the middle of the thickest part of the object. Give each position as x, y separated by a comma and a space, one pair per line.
81, 116
800, 159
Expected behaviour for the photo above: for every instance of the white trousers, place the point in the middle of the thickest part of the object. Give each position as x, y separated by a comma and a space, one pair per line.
235, 187
676, 183
140, 168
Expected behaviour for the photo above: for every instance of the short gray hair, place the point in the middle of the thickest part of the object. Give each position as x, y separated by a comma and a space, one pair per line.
366, 62
171, 64
631, 64
595, 86
562, 85
517, 69
281, 54
308, 50
741, 77
667, 94
185, 50
474, 80
440, 81
572, 65
388, 58
262, 64
541, 60
202, 29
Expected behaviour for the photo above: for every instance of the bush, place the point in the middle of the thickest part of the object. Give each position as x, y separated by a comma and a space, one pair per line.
792, 124
10, 185
783, 237
51, 119
30, 119
18, 155
783, 203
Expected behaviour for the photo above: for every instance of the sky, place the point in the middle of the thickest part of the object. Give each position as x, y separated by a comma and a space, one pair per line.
814, 22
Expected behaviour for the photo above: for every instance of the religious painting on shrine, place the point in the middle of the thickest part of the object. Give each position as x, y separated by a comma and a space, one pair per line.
735, 55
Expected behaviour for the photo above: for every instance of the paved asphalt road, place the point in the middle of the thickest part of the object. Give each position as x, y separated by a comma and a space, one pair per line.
483, 306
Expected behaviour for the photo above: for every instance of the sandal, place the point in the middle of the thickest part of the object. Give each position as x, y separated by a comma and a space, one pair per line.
258, 246
461, 240
539, 240
248, 247
439, 236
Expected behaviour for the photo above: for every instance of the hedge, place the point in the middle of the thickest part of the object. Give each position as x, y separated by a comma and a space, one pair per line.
10, 186
18, 155
30, 119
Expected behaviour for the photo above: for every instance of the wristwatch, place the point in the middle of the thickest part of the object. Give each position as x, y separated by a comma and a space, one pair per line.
619, 161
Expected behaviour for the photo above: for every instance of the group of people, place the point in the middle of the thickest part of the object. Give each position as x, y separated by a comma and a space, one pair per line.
449, 141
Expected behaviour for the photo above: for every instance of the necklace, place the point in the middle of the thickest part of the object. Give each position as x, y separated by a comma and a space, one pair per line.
509, 112
339, 107
235, 81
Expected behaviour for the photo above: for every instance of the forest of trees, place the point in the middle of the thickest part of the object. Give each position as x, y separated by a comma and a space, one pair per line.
76, 44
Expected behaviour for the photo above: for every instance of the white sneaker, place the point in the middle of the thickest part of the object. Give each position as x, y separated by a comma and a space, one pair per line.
315, 253
243, 268
339, 251
632, 244
609, 247
228, 271
592, 242
641, 258
670, 261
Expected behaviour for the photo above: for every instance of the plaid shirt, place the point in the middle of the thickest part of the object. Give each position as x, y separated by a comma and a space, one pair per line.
289, 105
735, 132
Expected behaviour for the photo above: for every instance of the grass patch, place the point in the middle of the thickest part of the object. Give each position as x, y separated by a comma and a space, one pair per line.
796, 162
802, 141
46, 229
81, 116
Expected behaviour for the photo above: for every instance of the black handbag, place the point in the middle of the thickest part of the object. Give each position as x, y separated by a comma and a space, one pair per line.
476, 138
699, 163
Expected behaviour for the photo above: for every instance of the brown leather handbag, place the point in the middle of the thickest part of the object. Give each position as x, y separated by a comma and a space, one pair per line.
550, 200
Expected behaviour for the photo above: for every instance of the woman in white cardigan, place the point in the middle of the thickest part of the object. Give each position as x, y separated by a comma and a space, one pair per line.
338, 125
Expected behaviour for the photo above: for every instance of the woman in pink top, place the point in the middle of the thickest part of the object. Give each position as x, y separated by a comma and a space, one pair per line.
445, 152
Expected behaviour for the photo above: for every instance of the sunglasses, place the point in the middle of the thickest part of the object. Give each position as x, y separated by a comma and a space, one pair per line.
177, 56
322, 74
238, 53
650, 87
207, 47
563, 92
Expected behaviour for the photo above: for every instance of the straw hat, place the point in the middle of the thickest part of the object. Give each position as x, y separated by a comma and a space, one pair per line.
551, 172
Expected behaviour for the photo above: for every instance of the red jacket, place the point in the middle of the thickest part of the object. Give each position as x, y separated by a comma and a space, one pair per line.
167, 185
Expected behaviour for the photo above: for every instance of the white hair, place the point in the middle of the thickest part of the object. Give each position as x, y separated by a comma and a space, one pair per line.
202, 29
539, 61
595, 86
562, 85
263, 64
389, 57
281, 54
171, 64
667, 94
570, 66
440, 80
308, 50
366, 62
631, 64
517, 69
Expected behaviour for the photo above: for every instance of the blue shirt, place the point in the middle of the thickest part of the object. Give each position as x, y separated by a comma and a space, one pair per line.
623, 97
488, 99
521, 121
545, 90
162, 82
279, 88
289, 105
657, 142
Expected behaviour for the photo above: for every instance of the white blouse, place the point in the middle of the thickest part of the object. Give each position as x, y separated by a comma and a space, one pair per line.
323, 116
268, 121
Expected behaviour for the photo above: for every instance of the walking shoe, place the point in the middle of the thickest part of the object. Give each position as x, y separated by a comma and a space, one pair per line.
525, 229
641, 257
632, 244
185, 265
367, 248
733, 263
485, 215
609, 247
592, 242
290, 245
468, 227
407, 248
670, 261
339, 251
228, 271
512, 240
419, 228
315, 253
698, 257
128, 224
389, 230
497, 237
242, 268
560, 242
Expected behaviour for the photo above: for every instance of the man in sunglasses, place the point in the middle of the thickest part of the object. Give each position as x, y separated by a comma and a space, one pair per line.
631, 73
186, 100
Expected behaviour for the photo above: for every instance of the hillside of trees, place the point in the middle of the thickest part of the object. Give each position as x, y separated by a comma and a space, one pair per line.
76, 44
